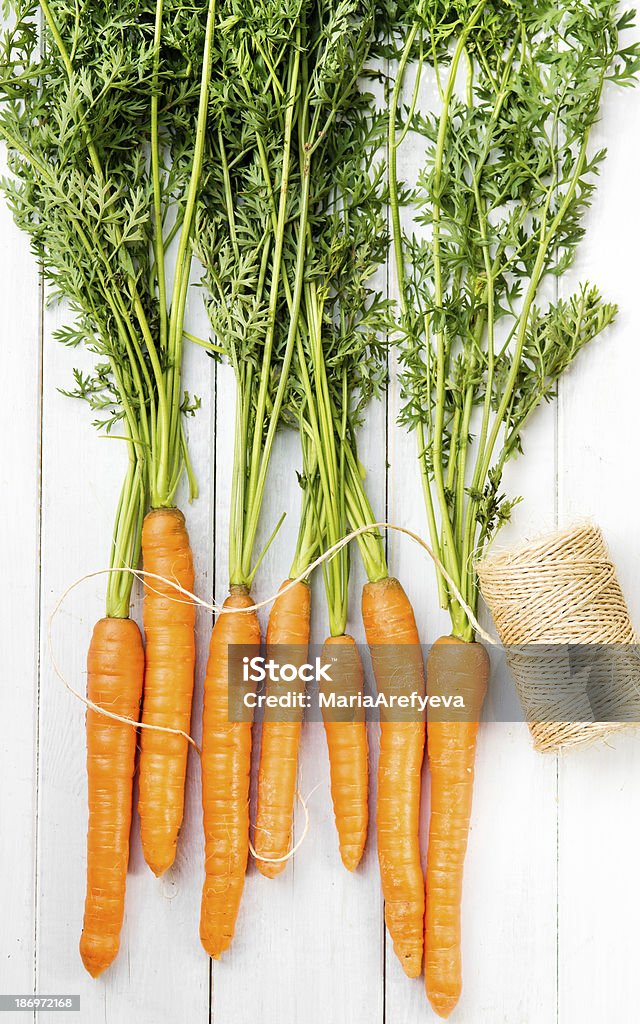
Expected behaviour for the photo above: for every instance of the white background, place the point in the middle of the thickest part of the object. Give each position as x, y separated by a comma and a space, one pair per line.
551, 901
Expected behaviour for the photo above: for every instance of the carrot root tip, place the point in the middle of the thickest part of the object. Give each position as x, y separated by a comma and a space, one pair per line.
412, 968
159, 855
95, 960
411, 962
214, 950
351, 856
270, 870
95, 970
159, 866
443, 1004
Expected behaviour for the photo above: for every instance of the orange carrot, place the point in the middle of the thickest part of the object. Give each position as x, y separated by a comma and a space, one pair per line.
287, 640
226, 767
390, 625
115, 667
169, 620
348, 750
453, 668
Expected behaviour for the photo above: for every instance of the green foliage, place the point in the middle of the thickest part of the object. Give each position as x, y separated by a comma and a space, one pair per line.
78, 84
101, 114
497, 209
291, 231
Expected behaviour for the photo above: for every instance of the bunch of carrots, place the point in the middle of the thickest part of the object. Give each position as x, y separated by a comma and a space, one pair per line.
242, 134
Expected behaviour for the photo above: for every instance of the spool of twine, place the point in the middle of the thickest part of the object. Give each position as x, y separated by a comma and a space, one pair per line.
563, 590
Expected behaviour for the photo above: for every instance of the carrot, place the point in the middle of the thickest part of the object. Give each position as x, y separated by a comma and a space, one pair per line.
457, 668
169, 620
115, 667
288, 632
348, 751
390, 625
226, 767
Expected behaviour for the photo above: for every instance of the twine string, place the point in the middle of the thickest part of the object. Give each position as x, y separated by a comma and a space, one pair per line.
99, 710
218, 609
563, 589
298, 844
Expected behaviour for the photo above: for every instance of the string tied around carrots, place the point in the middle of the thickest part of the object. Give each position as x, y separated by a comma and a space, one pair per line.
294, 849
185, 596
512, 583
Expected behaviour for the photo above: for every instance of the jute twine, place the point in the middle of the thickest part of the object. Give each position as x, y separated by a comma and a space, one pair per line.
563, 589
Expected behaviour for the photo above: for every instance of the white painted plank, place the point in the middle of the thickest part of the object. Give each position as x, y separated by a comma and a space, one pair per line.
160, 947
510, 913
600, 788
339, 914
20, 387
405, 999
264, 944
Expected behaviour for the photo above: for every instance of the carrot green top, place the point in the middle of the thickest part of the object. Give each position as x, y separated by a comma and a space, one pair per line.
284, 84
106, 126
339, 361
496, 210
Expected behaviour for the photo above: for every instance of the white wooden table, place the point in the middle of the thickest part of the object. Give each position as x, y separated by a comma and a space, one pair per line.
551, 902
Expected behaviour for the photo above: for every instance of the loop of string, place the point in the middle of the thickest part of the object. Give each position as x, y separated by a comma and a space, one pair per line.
296, 847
